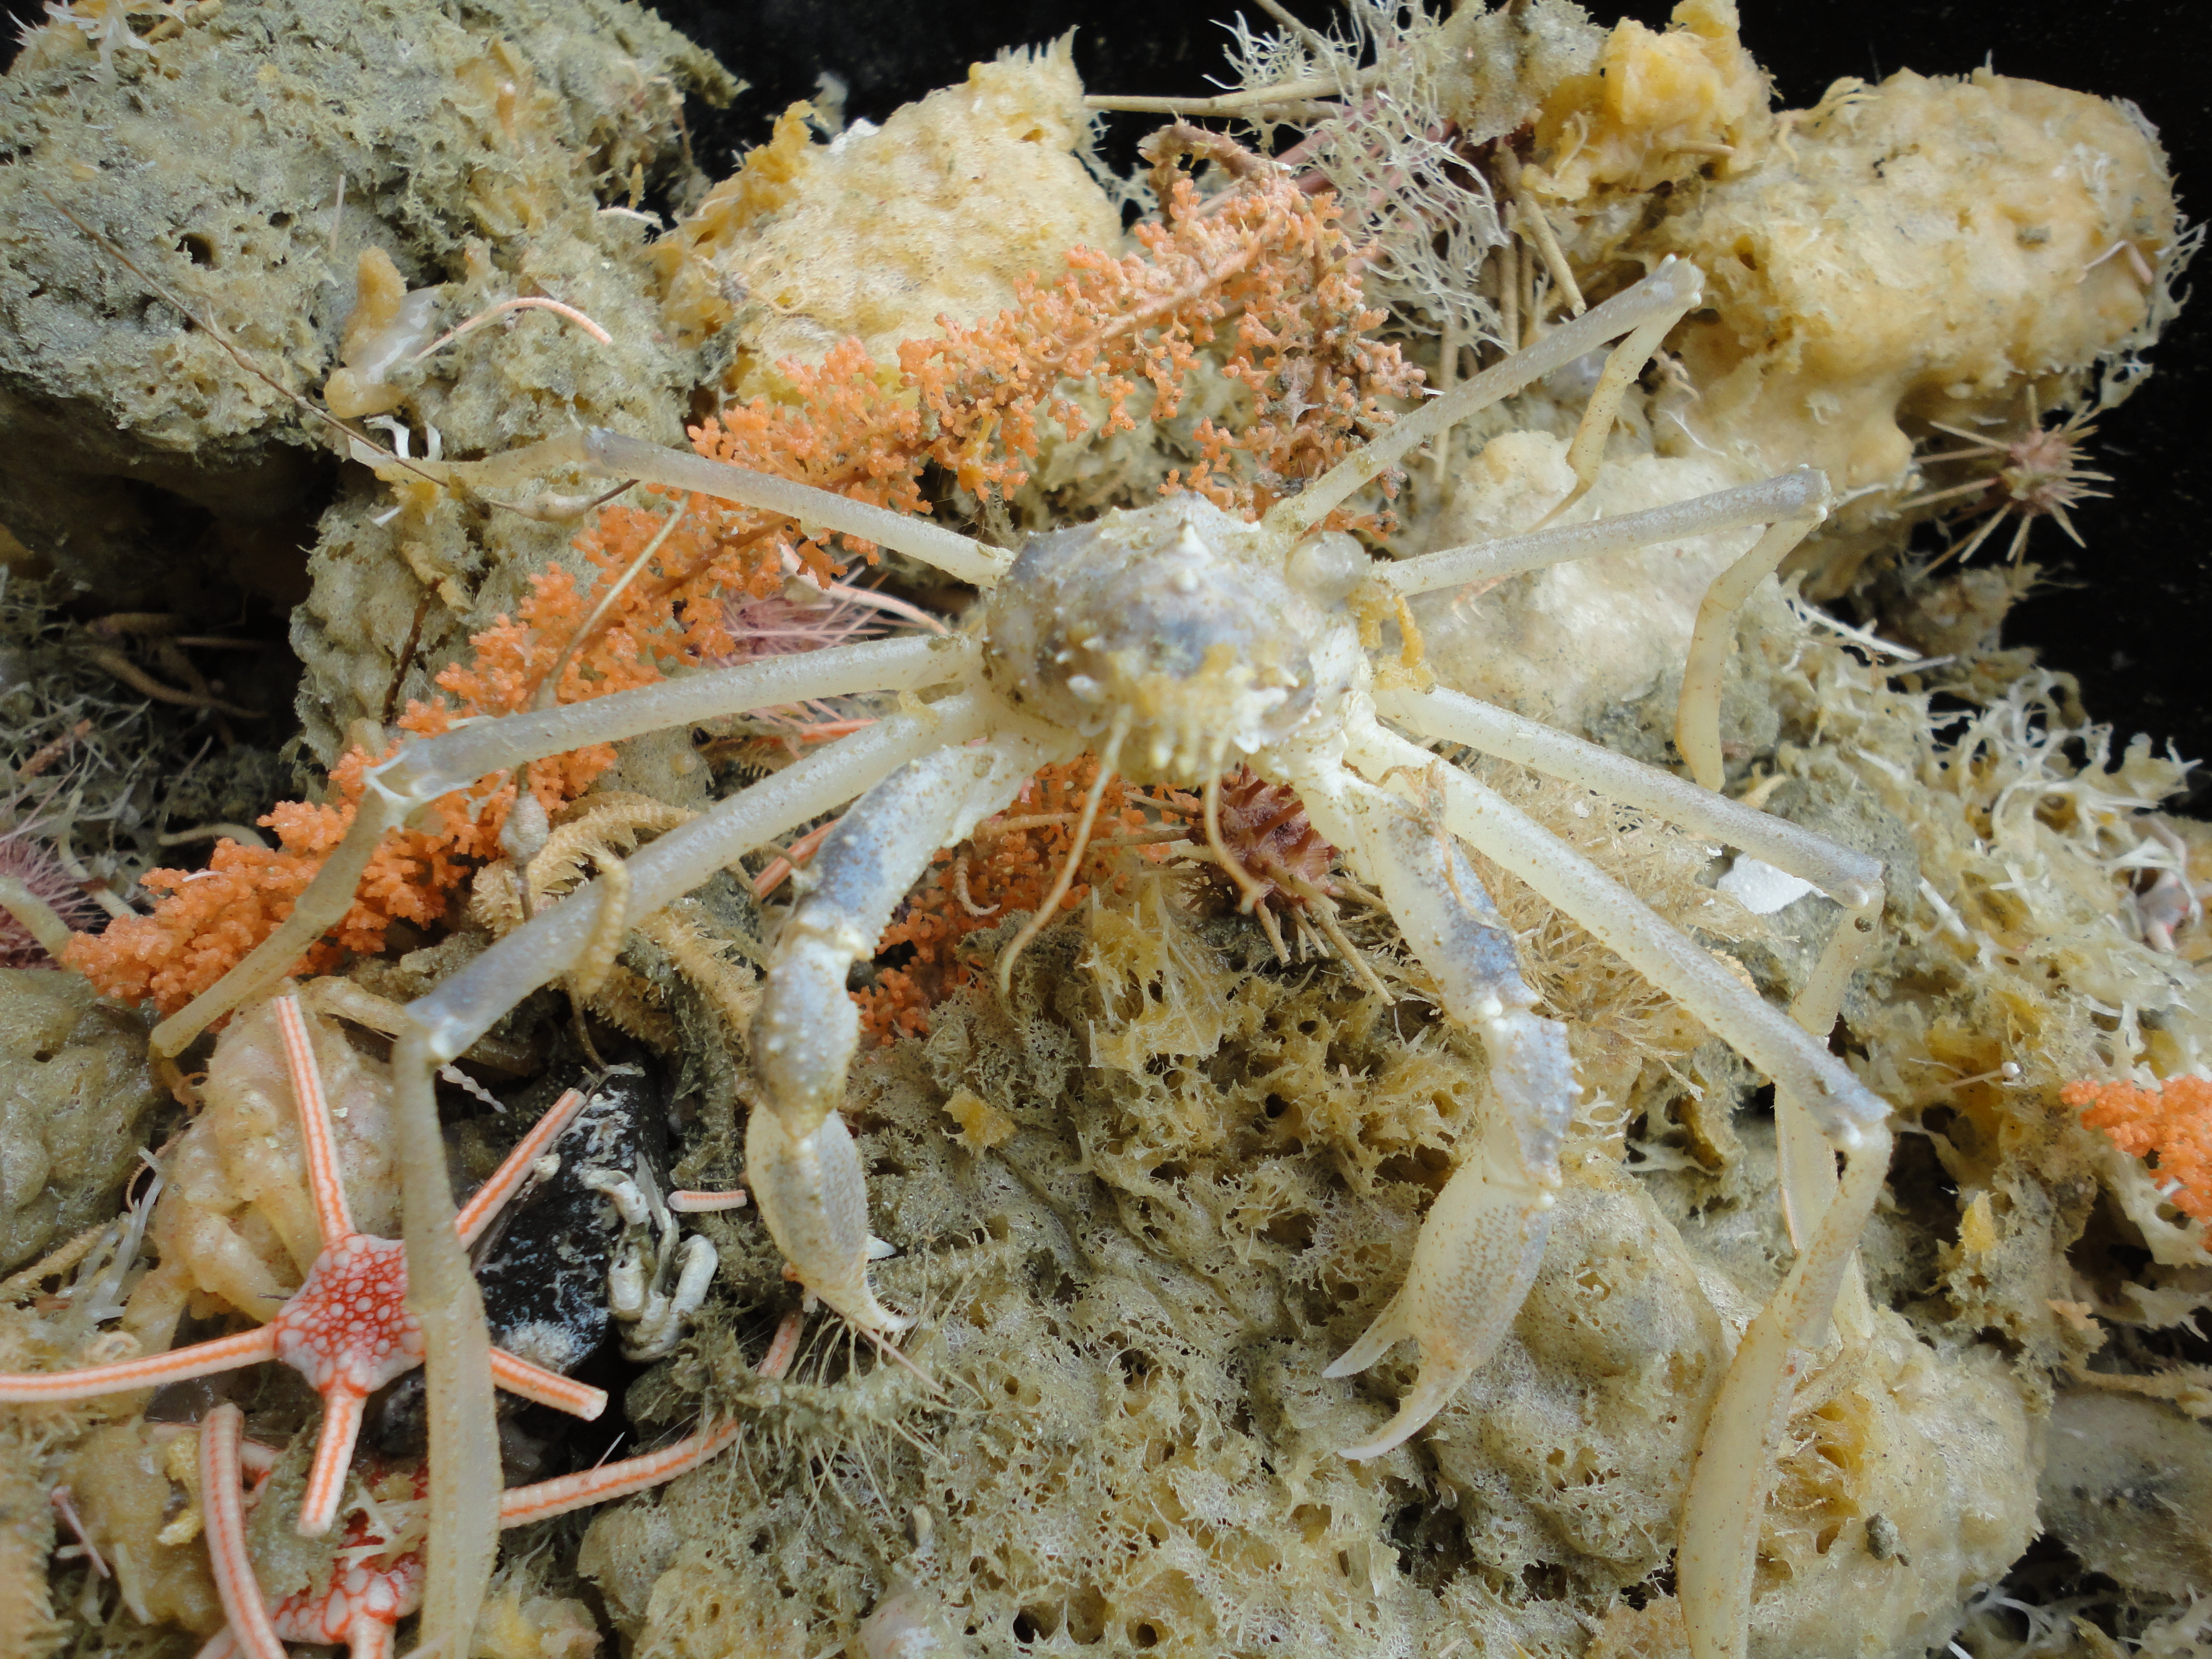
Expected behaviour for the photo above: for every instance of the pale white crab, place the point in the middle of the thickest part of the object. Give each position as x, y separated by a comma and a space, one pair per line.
1172, 639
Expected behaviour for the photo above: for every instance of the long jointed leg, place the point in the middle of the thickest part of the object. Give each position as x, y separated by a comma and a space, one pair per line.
1853, 880
1790, 505
800, 1164
1727, 1499
1643, 312
423, 771
1721, 1519
1764, 1035
1484, 1236
609, 454
464, 1439
1791, 496
1698, 712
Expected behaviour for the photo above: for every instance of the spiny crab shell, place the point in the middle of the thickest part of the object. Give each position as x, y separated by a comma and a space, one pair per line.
1185, 621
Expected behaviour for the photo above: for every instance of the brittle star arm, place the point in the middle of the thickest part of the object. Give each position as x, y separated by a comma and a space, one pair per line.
223, 1512
424, 771
151, 1370
342, 1327
520, 1505
463, 1442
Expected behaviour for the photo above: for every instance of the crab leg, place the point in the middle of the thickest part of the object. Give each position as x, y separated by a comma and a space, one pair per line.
1697, 711
1483, 1239
1721, 1517
424, 771
464, 1441
800, 1164
1789, 495
1726, 1498
611, 455
466, 1006
1847, 1109
1644, 312
1851, 880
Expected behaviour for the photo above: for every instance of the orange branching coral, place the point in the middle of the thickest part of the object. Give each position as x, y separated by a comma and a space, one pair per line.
1258, 257
1010, 863
212, 917
1007, 865
2169, 1127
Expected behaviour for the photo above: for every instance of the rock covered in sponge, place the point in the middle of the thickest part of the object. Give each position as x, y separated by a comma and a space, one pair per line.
1919, 250
879, 232
75, 1098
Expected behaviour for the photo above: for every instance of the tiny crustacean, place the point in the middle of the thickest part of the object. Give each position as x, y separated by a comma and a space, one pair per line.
1173, 641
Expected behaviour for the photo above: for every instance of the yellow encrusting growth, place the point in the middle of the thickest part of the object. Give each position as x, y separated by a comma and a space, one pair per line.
1655, 109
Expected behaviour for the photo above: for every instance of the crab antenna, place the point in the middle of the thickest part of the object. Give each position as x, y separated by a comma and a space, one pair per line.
1673, 288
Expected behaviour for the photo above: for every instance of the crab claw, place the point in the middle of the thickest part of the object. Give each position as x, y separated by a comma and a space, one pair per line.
1476, 1257
814, 1196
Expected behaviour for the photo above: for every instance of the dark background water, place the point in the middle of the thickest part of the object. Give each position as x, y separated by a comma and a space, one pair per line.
2131, 616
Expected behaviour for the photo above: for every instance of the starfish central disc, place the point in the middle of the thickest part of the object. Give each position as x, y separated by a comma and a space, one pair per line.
348, 1327
356, 1592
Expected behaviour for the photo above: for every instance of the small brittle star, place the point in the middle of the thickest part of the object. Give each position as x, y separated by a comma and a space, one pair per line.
347, 1329
363, 1600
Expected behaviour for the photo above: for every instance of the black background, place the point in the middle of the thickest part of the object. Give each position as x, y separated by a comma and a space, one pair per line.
2131, 616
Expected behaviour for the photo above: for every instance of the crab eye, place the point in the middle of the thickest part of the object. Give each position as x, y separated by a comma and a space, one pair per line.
1326, 566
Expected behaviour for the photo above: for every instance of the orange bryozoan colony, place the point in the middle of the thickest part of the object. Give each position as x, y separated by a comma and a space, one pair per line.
1256, 281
